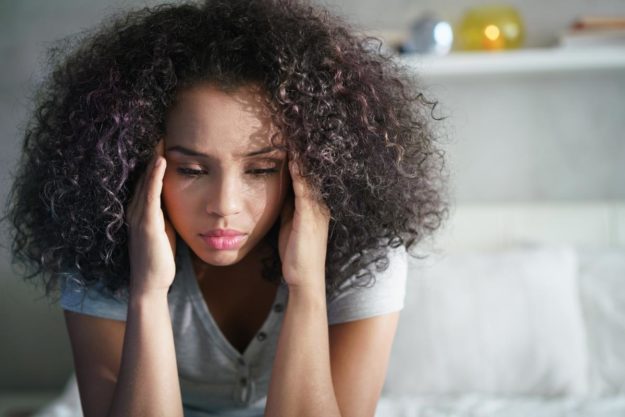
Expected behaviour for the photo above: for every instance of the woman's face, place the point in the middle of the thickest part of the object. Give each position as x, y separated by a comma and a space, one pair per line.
223, 175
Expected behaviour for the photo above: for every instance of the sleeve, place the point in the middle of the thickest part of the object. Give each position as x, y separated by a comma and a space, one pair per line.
93, 300
385, 296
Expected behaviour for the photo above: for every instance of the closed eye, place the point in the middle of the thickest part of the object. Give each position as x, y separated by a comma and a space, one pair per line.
261, 172
189, 172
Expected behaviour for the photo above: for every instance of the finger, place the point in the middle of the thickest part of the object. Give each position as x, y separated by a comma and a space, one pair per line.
305, 197
159, 154
132, 205
154, 188
138, 194
160, 147
300, 187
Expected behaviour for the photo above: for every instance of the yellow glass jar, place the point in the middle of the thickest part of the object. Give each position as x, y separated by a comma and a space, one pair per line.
492, 28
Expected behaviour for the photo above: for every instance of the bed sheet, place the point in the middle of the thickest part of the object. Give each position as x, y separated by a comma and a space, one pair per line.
479, 405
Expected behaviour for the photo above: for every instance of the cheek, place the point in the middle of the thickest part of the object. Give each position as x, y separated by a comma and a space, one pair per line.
267, 201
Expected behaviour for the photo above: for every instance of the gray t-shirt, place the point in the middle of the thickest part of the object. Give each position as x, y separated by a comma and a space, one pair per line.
215, 378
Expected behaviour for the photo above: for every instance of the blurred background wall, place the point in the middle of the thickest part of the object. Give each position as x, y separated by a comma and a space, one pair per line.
554, 136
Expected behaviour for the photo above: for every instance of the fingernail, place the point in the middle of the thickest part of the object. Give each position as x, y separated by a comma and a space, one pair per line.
158, 162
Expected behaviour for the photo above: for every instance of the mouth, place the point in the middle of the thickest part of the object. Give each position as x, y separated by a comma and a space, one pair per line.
224, 239
222, 233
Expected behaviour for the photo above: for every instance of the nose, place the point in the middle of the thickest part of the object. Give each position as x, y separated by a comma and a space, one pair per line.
225, 198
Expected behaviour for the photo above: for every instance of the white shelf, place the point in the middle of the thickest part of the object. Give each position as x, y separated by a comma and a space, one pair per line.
517, 61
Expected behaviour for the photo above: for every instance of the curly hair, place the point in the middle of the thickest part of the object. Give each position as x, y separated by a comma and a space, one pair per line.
355, 120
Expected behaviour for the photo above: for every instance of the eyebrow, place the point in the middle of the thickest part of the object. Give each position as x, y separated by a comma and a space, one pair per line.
191, 152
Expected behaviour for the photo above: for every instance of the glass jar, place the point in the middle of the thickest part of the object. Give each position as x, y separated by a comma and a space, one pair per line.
495, 27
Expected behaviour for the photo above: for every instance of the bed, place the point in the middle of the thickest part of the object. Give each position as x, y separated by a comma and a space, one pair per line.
517, 310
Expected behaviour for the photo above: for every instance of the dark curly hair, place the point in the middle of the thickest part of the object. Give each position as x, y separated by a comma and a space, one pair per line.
355, 120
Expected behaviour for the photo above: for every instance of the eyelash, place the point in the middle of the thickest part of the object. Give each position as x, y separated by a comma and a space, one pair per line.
189, 172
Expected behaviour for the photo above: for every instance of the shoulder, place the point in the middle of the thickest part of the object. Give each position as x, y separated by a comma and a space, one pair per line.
93, 300
386, 294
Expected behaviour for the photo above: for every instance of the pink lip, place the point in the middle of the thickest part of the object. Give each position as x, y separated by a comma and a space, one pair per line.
224, 242
222, 232
224, 239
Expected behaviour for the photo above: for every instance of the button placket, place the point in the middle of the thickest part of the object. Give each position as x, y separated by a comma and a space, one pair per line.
247, 391
244, 380
244, 389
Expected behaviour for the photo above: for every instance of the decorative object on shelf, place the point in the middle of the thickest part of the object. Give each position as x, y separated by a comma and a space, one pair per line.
429, 35
490, 28
593, 31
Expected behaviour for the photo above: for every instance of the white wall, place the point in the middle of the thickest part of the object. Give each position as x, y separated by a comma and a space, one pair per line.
534, 136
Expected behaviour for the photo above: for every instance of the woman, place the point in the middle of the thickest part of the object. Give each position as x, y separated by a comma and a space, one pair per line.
225, 194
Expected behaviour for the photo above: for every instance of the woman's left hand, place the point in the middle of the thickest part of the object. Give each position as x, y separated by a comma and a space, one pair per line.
303, 236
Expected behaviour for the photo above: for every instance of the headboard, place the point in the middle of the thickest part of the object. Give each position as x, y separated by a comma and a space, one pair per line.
583, 224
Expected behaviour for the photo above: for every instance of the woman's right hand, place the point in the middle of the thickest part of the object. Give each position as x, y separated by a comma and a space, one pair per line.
152, 238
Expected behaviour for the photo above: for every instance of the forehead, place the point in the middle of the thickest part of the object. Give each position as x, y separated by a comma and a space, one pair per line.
207, 117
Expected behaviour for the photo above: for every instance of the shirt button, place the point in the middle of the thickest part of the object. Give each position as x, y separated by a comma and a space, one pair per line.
278, 308
243, 381
261, 336
241, 361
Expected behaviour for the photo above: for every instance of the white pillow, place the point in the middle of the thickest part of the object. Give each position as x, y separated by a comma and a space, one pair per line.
500, 322
602, 290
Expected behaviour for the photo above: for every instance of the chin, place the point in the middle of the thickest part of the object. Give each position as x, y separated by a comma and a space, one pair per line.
222, 258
